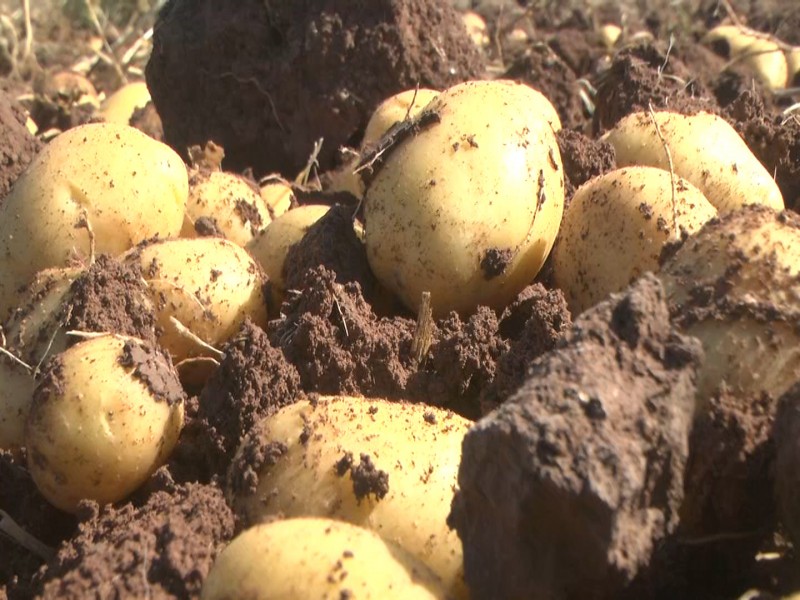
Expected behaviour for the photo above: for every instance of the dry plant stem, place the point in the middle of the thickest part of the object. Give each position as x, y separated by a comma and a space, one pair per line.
413, 101
140, 41
51, 341
83, 222
16, 359
26, 11
99, 29
671, 171
189, 334
9, 527
731, 13
302, 178
423, 334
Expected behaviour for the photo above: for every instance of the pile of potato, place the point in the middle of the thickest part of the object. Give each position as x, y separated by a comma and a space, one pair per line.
464, 200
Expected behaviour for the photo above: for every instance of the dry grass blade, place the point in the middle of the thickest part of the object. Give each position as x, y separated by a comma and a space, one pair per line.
10, 528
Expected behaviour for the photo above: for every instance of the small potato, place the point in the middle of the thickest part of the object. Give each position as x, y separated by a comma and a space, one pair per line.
609, 34
125, 185
74, 87
269, 248
615, 228
393, 110
757, 50
705, 150
466, 205
734, 286
16, 394
209, 285
105, 415
278, 196
120, 106
298, 559
228, 204
476, 28
387, 466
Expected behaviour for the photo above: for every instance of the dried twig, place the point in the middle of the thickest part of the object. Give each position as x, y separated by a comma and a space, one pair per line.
190, 335
99, 29
84, 223
10, 528
423, 334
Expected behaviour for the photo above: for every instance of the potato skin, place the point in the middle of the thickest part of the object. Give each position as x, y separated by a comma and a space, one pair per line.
395, 109
755, 49
296, 559
120, 106
418, 447
468, 207
130, 186
705, 150
96, 429
615, 228
210, 285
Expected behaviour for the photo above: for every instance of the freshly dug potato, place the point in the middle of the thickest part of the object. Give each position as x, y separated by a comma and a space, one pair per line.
755, 49
226, 205
476, 28
209, 285
16, 393
125, 185
296, 559
466, 204
615, 228
733, 285
269, 248
705, 150
70, 86
34, 330
106, 414
393, 110
120, 106
278, 196
387, 466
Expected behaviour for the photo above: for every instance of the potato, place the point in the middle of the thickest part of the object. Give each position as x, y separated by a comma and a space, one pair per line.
209, 285
476, 28
71, 86
467, 203
16, 393
755, 49
278, 196
733, 285
609, 34
402, 461
705, 150
296, 559
105, 415
793, 64
615, 228
129, 187
269, 248
235, 207
393, 110
120, 106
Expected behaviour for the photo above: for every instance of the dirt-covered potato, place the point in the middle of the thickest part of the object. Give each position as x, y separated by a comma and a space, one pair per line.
387, 466
705, 150
467, 200
16, 393
757, 50
734, 286
106, 413
120, 106
393, 110
296, 559
615, 227
113, 180
269, 248
209, 285
225, 205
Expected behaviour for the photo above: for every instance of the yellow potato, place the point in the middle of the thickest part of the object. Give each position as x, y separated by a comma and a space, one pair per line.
404, 496
615, 228
269, 248
16, 393
128, 186
705, 150
72, 86
476, 28
298, 559
394, 109
105, 415
734, 286
278, 195
757, 50
120, 106
609, 34
237, 209
467, 206
209, 285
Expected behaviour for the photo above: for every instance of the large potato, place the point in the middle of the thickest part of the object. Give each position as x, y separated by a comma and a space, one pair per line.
387, 466
129, 187
226, 202
615, 228
105, 415
467, 202
298, 559
209, 285
734, 286
705, 150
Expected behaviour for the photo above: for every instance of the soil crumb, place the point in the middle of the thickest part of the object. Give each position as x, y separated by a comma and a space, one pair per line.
565, 490
367, 479
236, 71
153, 368
163, 549
584, 158
17, 146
